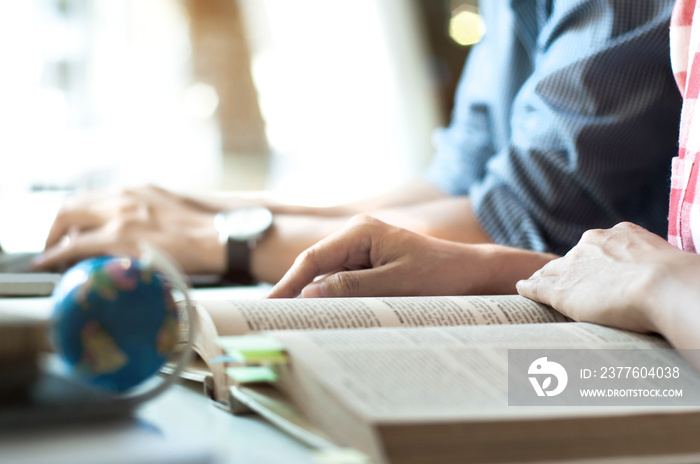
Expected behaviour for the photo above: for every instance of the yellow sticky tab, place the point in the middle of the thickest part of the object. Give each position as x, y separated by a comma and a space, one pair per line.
254, 349
250, 344
251, 374
264, 357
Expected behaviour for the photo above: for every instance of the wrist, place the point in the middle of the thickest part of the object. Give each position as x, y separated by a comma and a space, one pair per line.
507, 266
287, 238
239, 232
499, 267
671, 294
646, 304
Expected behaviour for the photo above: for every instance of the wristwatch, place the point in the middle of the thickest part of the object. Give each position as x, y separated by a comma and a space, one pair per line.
240, 230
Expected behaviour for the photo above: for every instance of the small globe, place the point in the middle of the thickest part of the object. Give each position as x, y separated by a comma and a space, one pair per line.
115, 322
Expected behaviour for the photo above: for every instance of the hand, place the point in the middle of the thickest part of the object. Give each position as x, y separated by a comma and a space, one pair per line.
371, 258
612, 277
97, 223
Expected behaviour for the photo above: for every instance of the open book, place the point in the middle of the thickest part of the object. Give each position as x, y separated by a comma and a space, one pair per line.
442, 394
238, 317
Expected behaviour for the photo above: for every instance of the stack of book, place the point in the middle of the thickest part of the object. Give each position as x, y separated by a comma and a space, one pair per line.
21, 340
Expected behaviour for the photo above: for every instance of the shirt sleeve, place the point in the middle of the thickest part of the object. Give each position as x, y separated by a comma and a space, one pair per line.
573, 128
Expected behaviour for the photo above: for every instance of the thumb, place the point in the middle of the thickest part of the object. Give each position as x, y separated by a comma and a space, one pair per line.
380, 281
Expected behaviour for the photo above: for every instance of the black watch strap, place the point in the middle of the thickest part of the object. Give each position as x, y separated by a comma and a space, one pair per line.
240, 230
238, 262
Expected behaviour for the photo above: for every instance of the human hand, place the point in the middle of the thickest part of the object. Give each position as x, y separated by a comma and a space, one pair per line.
97, 223
371, 258
612, 277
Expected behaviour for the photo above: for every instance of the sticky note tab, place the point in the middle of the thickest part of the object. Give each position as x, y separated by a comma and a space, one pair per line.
250, 374
226, 358
265, 357
254, 349
250, 343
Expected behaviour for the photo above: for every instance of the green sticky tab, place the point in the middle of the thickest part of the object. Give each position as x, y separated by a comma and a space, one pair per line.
250, 343
254, 349
250, 374
264, 357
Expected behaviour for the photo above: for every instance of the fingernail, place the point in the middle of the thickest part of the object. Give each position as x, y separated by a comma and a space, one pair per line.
315, 290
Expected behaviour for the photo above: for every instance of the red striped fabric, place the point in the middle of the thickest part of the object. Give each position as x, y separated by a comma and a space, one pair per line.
684, 207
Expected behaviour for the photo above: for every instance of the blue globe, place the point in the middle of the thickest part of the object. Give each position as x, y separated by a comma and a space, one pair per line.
115, 322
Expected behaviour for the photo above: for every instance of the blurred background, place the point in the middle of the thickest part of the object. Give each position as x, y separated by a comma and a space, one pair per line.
317, 101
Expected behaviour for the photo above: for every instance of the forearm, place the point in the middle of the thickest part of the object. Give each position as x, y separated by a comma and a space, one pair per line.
447, 218
501, 267
411, 193
414, 192
286, 239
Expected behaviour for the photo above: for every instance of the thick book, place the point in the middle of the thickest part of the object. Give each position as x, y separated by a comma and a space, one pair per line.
21, 340
441, 394
239, 317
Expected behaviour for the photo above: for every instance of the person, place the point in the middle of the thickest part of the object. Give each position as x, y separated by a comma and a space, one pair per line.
565, 119
628, 277
625, 277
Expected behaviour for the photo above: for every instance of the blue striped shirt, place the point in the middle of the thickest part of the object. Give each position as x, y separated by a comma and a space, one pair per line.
566, 118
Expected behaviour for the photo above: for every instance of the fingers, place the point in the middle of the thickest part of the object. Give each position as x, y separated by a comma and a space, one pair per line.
529, 288
92, 209
67, 219
388, 280
59, 228
345, 250
63, 254
79, 212
340, 284
303, 271
539, 288
541, 285
80, 246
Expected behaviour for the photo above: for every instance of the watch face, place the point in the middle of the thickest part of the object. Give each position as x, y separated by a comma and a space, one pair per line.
247, 223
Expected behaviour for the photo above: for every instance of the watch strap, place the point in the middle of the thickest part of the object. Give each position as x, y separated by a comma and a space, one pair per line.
238, 262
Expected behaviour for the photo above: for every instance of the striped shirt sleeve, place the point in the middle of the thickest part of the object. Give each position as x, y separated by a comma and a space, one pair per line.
566, 119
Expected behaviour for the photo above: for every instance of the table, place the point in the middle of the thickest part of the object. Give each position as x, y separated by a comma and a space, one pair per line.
180, 427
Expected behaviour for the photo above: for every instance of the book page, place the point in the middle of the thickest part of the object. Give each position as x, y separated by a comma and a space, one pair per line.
205, 346
237, 317
442, 372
